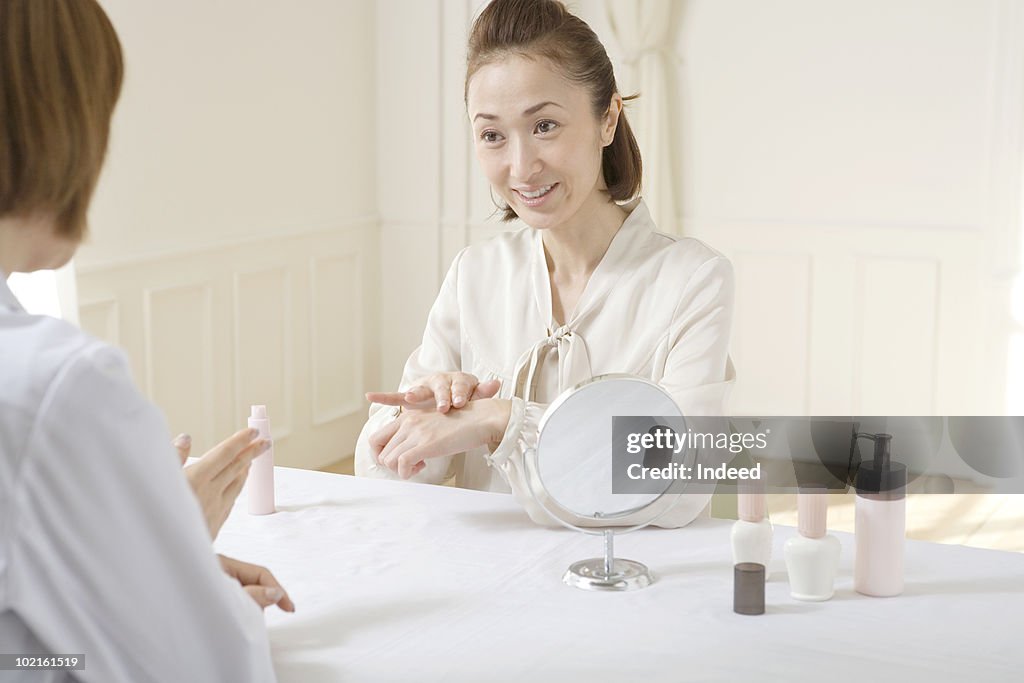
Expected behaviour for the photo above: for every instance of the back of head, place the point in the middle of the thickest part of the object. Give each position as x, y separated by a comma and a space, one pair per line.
546, 29
60, 77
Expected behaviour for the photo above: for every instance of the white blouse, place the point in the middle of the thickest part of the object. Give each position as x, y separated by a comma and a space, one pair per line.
656, 306
103, 547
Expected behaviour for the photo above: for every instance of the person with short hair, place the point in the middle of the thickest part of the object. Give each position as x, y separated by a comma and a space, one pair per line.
104, 549
588, 288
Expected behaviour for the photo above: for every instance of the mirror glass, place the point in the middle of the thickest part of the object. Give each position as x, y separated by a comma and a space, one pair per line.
574, 454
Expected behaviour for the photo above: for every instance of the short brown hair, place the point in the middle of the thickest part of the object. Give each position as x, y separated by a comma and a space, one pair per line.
547, 29
60, 77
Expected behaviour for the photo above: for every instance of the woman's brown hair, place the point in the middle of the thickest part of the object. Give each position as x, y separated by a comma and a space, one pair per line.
545, 28
60, 77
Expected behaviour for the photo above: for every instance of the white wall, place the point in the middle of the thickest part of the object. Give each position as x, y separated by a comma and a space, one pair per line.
233, 246
860, 162
862, 159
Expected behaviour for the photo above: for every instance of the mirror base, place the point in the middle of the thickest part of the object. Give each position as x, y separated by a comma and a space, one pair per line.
626, 575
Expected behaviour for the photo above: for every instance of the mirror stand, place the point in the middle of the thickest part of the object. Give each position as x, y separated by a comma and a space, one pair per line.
608, 573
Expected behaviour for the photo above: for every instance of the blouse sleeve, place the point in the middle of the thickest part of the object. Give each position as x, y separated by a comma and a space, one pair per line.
698, 373
440, 351
110, 555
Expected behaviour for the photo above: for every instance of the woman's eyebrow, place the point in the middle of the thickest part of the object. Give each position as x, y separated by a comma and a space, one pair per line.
532, 110
537, 107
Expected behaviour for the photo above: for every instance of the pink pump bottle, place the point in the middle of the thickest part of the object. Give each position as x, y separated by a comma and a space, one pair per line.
260, 483
880, 521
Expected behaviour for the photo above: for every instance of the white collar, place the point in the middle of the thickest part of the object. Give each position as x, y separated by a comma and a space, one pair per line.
7, 298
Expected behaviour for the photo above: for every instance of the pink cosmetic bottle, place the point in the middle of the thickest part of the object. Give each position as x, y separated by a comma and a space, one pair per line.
259, 485
752, 532
880, 522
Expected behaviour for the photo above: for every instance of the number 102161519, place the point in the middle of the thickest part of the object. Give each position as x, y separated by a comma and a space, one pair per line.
13, 662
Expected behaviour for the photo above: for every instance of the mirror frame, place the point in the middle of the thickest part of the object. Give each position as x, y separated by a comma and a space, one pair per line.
664, 501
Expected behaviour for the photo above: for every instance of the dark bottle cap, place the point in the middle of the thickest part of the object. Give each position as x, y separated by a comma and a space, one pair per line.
748, 588
881, 475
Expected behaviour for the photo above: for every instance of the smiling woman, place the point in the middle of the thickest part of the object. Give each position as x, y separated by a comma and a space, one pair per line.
589, 288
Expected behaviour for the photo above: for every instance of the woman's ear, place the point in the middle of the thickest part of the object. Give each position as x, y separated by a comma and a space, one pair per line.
611, 120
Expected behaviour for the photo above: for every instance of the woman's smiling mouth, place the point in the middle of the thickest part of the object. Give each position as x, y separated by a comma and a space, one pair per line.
534, 197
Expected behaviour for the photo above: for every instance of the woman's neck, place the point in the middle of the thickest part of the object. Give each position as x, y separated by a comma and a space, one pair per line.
32, 243
574, 249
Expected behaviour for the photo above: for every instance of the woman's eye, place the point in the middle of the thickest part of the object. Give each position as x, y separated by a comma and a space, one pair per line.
489, 136
546, 126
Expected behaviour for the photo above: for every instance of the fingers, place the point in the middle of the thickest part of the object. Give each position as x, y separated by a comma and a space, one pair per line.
409, 461
462, 387
418, 398
388, 456
387, 398
418, 394
488, 389
406, 457
443, 391
442, 388
274, 591
258, 582
221, 455
265, 596
240, 463
286, 603
380, 438
183, 444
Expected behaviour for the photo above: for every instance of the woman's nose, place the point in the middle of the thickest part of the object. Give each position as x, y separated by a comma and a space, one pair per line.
525, 161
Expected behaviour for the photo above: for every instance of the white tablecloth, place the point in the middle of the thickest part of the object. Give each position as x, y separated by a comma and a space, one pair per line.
407, 582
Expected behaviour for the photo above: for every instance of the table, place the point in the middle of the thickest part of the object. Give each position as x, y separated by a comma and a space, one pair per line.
408, 582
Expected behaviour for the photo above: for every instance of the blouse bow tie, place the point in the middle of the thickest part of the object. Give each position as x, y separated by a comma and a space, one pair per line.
573, 362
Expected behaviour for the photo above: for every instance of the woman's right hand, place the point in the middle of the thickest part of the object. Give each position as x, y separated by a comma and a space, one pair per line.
258, 582
442, 390
217, 477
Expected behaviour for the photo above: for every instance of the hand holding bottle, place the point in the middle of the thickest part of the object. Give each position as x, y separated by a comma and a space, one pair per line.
217, 477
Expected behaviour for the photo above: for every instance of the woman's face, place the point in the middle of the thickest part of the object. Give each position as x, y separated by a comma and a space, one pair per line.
537, 139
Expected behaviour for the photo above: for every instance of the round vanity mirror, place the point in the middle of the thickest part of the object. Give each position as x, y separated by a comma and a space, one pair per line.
591, 439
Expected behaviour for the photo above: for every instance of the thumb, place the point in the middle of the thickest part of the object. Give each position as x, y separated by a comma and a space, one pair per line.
264, 596
183, 444
487, 389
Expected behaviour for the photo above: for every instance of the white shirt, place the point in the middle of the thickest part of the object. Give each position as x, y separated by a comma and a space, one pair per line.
103, 547
656, 306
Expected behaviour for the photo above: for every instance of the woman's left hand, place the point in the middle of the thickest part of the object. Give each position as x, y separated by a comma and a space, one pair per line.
404, 444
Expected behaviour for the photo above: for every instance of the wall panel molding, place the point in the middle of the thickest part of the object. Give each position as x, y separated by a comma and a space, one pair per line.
336, 349
262, 345
102, 319
178, 330
311, 231
211, 332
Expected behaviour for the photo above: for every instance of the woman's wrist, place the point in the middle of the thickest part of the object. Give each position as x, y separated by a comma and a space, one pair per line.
499, 413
